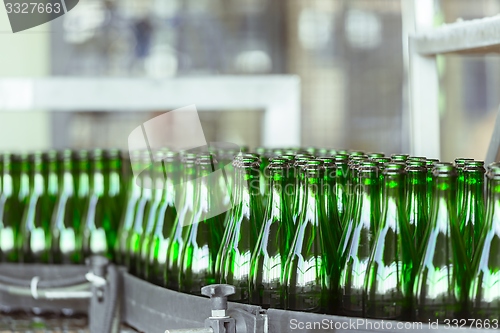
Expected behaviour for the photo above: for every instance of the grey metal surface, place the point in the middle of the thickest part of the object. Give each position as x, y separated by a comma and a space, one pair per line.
153, 309
281, 321
9, 302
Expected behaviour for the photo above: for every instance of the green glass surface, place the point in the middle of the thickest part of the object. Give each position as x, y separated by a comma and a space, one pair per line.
399, 157
472, 214
102, 215
312, 265
143, 207
36, 232
275, 238
235, 264
416, 205
67, 217
340, 186
204, 235
440, 288
358, 240
10, 208
150, 216
388, 284
182, 223
484, 294
460, 164
329, 197
128, 216
165, 218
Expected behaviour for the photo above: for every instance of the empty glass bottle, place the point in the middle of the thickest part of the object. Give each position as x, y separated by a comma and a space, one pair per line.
67, 218
389, 272
127, 219
472, 213
235, 264
273, 245
329, 198
440, 288
484, 295
100, 216
150, 217
460, 164
136, 233
182, 223
357, 241
340, 186
204, 234
416, 204
167, 213
10, 208
36, 232
312, 264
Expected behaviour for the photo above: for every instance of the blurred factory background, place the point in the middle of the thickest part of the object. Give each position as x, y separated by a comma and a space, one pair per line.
348, 54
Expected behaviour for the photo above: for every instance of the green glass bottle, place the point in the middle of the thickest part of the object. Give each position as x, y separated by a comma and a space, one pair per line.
182, 223
329, 197
204, 234
128, 216
399, 157
460, 164
136, 233
312, 266
67, 217
82, 178
375, 155
150, 217
340, 186
388, 284
100, 216
50, 175
273, 245
10, 208
440, 288
299, 188
430, 163
358, 240
416, 204
472, 214
36, 232
233, 212
167, 213
235, 264
484, 295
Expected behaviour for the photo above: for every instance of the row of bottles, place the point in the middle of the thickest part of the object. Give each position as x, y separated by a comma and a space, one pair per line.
314, 230
58, 207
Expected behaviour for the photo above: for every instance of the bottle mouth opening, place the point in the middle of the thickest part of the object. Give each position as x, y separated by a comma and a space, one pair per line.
394, 168
416, 169
444, 170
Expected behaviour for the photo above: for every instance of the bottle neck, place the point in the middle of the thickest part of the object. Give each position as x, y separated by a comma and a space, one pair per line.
52, 181
250, 192
278, 187
445, 201
83, 180
417, 183
367, 197
205, 188
67, 182
312, 204
97, 181
114, 177
393, 187
474, 188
